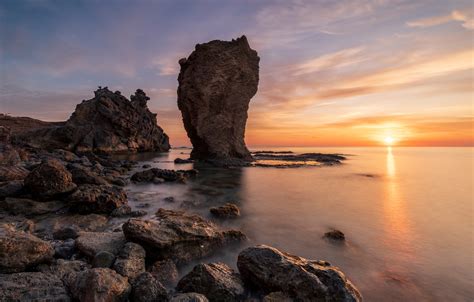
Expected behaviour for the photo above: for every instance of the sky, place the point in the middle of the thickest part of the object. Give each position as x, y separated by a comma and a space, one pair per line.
332, 73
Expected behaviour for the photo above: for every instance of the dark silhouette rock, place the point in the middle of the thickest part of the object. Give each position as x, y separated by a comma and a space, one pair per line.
32, 286
97, 199
99, 284
271, 270
183, 161
229, 210
178, 236
147, 288
20, 250
49, 179
335, 235
107, 123
215, 280
216, 83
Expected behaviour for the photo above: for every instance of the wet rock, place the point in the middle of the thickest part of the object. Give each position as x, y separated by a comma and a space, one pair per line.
20, 250
68, 232
183, 161
10, 173
179, 236
216, 83
277, 297
270, 270
215, 280
130, 261
64, 249
32, 286
106, 123
100, 285
189, 297
11, 188
62, 268
228, 210
82, 175
31, 208
90, 243
126, 211
165, 271
103, 259
147, 288
167, 175
97, 199
335, 235
49, 179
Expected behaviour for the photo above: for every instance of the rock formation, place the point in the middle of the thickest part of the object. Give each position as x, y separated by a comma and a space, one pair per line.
107, 123
216, 83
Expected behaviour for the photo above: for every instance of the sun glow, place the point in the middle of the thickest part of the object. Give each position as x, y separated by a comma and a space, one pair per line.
389, 140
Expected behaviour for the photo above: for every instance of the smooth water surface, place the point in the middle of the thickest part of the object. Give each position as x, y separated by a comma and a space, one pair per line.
407, 214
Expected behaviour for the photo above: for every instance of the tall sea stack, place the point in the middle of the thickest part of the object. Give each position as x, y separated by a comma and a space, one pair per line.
216, 83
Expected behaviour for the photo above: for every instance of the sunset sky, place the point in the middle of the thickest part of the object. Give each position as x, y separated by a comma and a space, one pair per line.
332, 73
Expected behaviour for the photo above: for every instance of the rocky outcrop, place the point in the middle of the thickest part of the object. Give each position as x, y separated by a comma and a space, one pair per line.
271, 270
107, 123
32, 286
178, 236
215, 280
100, 285
216, 83
49, 179
20, 250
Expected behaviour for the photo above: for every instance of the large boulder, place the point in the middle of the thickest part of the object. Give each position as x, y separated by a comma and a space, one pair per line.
99, 285
32, 286
271, 270
217, 281
107, 123
99, 199
216, 83
49, 179
179, 236
20, 250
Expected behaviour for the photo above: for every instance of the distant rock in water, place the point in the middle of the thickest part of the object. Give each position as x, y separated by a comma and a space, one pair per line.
107, 123
216, 83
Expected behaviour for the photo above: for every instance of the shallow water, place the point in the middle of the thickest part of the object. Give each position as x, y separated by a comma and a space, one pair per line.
406, 213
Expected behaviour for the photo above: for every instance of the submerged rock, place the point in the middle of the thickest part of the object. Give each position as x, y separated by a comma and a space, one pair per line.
215, 280
216, 83
335, 235
147, 288
49, 179
228, 210
20, 250
32, 286
179, 236
106, 123
270, 270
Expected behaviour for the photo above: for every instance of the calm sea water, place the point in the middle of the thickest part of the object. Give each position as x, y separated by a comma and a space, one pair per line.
407, 214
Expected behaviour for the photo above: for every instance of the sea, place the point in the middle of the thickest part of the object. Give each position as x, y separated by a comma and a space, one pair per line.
406, 212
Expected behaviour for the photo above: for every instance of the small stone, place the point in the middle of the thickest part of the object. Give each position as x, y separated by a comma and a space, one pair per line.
66, 233
64, 249
335, 235
228, 210
103, 259
169, 199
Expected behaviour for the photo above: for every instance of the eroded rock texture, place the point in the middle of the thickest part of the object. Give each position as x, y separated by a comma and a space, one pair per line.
216, 83
107, 123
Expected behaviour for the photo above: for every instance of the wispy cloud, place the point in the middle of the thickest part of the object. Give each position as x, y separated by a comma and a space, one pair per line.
464, 17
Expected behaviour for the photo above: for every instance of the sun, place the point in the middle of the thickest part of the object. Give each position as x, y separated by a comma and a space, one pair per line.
389, 140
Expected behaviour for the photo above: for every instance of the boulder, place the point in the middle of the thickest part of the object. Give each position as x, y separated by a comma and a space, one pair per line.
100, 199
32, 286
49, 179
216, 83
165, 271
63, 269
90, 243
82, 175
229, 210
99, 285
107, 123
178, 236
271, 270
31, 208
217, 281
64, 249
167, 175
189, 297
130, 261
52, 224
103, 259
146, 288
20, 250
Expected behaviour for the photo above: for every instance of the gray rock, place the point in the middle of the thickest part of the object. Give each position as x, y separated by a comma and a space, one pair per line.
189, 297
270, 270
97, 199
130, 261
217, 281
32, 286
178, 236
90, 243
99, 285
49, 179
103, 259
216, 83
20, 250
146, 288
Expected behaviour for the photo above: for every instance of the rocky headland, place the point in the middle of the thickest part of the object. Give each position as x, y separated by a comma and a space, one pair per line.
69, 233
